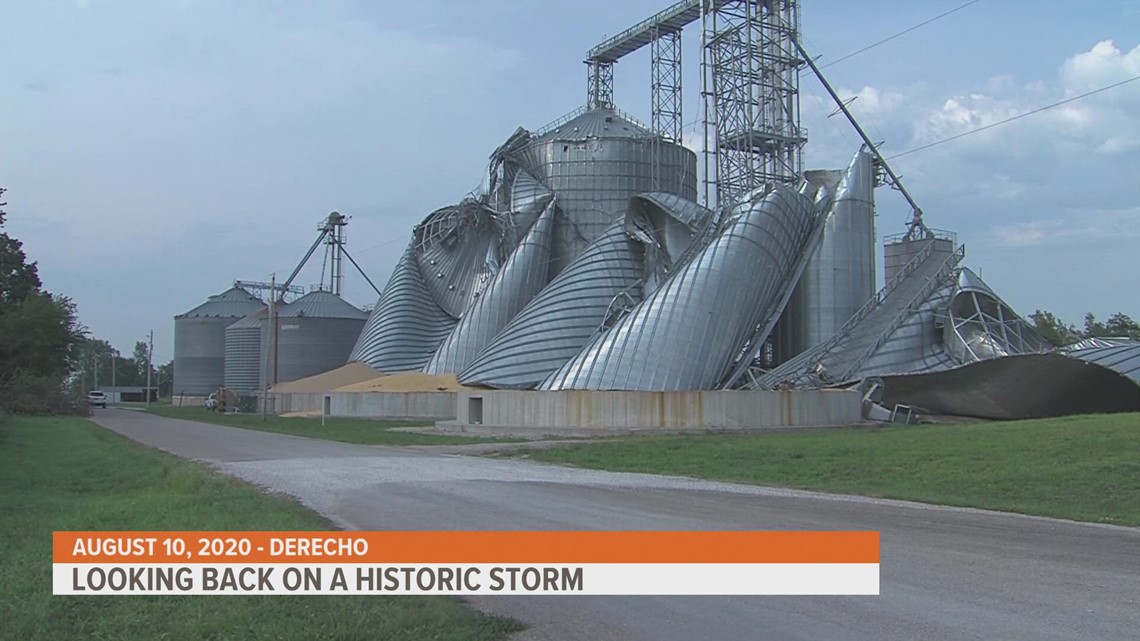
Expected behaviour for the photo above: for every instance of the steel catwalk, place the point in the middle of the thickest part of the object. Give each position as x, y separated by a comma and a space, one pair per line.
519, 280
685, 335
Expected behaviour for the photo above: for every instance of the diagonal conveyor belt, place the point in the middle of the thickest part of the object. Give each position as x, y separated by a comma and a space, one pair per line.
841, 356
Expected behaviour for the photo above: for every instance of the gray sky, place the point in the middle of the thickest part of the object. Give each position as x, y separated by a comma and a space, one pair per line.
156, 150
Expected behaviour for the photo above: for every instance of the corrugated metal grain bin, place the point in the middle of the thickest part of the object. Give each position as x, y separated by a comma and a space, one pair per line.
243, 353
200, 340
315, 334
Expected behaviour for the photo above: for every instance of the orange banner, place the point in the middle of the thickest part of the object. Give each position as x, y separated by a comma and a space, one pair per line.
466, 547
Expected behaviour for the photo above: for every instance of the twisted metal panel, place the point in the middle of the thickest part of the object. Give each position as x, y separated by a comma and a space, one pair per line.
668, 226
451, 248
981, 325
521, 278
555, 326
406, 326
685, 335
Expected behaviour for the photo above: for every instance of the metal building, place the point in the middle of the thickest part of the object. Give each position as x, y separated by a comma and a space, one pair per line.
200, 340
315, 334
243, 353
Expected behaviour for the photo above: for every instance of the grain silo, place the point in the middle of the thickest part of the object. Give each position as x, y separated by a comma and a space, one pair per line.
840, 276
243, 353
200, 340
595, 163
315, 334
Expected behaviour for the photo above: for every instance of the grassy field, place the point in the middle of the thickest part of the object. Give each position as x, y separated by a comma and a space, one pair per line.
348, 430
1085, 468
66, 474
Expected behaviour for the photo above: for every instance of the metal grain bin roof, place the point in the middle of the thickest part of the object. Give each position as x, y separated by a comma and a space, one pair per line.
321, 304
597, 123
1123, 358
251, 321
235, 302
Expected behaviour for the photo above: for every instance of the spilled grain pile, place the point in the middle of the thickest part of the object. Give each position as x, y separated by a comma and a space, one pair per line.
330, 380
408, 382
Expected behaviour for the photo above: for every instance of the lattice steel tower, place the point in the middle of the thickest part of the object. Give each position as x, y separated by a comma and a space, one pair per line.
751, 70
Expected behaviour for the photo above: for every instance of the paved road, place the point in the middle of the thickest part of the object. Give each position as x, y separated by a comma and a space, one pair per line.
946, 573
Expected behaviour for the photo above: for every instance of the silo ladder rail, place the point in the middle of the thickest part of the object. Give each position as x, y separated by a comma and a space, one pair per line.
800, 366
936, 281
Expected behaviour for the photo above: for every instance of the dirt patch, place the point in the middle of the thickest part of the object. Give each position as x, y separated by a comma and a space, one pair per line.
330, 380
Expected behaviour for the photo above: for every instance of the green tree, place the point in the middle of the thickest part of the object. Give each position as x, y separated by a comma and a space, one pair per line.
1053, 329
165, 379
18, 277
1120, 324
39, 333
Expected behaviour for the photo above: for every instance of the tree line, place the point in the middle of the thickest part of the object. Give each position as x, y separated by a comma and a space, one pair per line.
1060, 334
48, 360
39, 335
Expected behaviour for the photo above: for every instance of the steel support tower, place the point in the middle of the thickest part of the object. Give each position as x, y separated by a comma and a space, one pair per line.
751, 68
750, 73
600, 83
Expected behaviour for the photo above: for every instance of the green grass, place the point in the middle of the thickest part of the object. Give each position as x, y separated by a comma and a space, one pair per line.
1085, 468
66, 474
348, 430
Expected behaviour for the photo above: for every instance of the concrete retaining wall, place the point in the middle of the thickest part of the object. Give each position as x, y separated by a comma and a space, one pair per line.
432, 406
679, 411
296, 402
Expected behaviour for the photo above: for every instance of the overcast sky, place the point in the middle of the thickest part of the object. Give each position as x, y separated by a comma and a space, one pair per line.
156, 150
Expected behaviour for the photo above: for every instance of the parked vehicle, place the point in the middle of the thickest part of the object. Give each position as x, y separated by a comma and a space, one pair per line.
97, 398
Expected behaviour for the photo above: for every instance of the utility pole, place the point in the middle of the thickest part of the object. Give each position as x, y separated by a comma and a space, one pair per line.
95, 370
113, 363
149, 360
265, 357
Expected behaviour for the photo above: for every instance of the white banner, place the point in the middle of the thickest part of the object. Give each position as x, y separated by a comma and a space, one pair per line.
472, 579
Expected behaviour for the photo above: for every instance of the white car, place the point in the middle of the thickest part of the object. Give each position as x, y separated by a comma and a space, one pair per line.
97, 398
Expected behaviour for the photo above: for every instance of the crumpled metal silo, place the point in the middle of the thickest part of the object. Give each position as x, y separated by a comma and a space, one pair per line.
686, 334
555, 326
315, 334
980, 325
670, 228
610, 276
595, 162
519, 280
456, 249
200, 340
840, 276
407, 325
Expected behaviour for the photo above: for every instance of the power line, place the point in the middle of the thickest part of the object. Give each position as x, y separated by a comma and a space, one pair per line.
901, 33
1017, 117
